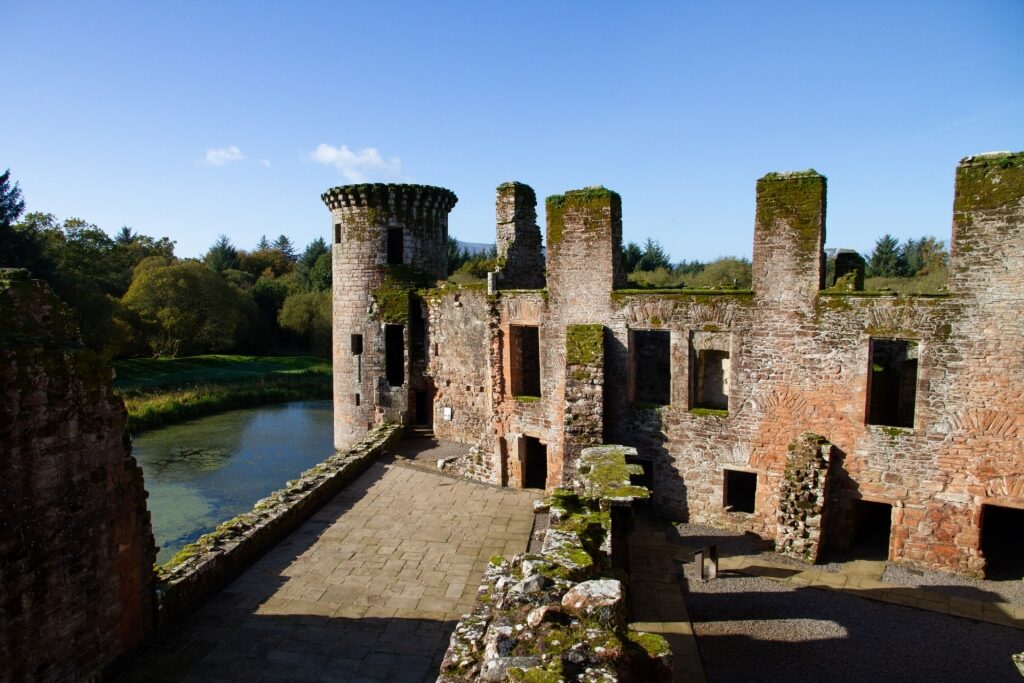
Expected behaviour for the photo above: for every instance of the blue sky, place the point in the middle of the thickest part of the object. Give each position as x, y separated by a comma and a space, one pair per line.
194, 119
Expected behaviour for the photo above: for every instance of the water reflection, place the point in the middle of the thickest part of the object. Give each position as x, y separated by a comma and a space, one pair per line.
201, 472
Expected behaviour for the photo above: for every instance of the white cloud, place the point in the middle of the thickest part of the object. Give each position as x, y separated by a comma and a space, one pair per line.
265, 163
218, 156
357, 166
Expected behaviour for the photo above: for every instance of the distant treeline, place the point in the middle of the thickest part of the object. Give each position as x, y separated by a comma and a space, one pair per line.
134, 297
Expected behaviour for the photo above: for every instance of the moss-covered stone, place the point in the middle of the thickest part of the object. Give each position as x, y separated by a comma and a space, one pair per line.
589, 198
797, 200
584, 344
989, 182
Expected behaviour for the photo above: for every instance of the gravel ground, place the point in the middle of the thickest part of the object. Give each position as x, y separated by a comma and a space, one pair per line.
747, 545
977, 589
756, 629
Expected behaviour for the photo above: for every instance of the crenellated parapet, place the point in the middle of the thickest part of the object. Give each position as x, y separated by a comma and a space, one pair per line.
384, 195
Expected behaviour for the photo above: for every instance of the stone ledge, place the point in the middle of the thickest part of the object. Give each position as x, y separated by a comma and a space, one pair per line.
561, 614
204, 567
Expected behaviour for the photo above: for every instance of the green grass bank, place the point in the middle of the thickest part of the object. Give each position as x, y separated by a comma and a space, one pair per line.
161, 391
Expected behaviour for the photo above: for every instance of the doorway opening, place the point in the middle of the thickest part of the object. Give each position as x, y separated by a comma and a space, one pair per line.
394, 355
424, 408
739, 491
535, 463
651, 361
1001, 536
872, 527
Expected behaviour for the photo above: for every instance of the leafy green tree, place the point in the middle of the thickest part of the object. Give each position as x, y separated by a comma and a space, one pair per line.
320, 274
308, 316
221, 256
887, 259
654, 257
723, 273
690, 267
186, 308
923, 255
631, 256
21, 246
308, 261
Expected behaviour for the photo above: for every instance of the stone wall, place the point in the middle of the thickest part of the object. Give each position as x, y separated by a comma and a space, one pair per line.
558, 614
76, 547
799, 359
802, 498
518, 237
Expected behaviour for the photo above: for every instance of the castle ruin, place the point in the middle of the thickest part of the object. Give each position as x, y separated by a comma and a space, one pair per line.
811, 413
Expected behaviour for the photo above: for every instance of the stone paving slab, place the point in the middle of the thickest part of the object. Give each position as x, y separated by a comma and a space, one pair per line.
368, 589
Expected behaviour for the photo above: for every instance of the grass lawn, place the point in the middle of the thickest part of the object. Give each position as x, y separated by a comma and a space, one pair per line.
159, 391
148, 373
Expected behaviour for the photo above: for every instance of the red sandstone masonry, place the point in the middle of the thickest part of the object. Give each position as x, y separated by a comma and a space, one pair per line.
799, 362
76, 547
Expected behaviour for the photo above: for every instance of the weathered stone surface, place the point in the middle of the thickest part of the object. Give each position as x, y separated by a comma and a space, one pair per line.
600, 599
76, 546
796, 358
802, 496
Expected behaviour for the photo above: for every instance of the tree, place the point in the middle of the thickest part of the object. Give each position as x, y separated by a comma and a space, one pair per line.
653, 257
886, 260
727, 272
11, 203
314, 251
631, 256
457, 255
221, 256
923, 255
186, 308
263, 244
320, 274
308, 315
284, 245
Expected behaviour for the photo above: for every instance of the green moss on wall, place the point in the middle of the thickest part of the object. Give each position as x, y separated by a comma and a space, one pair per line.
989, 182
589, 198
584, 344
796, 199
395, 293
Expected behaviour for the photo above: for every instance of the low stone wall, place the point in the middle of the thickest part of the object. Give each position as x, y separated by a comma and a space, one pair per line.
204, 567
561, 614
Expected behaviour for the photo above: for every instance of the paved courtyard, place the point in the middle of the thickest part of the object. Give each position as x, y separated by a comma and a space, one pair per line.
369, 589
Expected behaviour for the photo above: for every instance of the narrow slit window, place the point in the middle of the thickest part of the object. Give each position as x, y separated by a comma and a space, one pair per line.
337, 233
357, 344
892, 382
357, 400
651, 363
394, 355
524, 360
396, 246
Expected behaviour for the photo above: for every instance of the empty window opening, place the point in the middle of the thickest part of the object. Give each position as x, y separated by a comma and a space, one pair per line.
524, 360
1001, 542
739, 491
503, 451
892, 382
711, 379
424, 409
647, 478
357, 344
651, 361
394, 355
535, 463
872, 526
337, 233
357, 400
396, 246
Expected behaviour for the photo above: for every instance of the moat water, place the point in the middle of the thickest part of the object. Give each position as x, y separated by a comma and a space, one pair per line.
202, 472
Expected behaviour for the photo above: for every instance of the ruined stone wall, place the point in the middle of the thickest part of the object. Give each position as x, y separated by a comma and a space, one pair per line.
802, 498
799, 360
76, 547
459, 350
518, 237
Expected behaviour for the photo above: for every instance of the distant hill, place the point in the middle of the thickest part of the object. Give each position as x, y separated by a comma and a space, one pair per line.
475, 247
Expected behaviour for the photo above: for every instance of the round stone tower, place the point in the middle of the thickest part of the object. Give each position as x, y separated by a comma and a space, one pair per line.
388, 241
